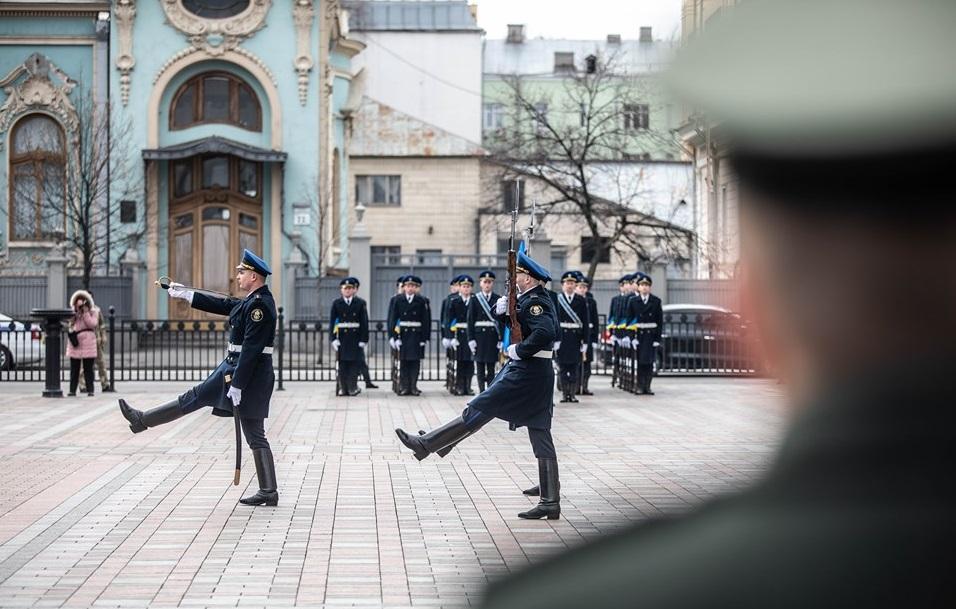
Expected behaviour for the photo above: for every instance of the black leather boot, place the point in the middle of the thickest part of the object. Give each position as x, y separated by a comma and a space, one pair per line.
140, 421
550, 504
534, 491
268, 493
437, 439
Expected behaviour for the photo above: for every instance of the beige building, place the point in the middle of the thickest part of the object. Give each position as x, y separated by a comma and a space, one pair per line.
715, 203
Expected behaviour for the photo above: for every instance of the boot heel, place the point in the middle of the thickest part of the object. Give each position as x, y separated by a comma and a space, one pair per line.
554, 516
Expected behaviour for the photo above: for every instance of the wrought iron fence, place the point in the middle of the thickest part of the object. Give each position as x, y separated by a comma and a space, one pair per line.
165, 350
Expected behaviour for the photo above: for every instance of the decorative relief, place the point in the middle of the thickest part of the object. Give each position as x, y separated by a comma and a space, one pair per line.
216, 36
38, 85
303, 14
124, 12
238, 50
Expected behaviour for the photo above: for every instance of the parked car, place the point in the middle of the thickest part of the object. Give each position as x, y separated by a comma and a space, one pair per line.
18, 343
707, 338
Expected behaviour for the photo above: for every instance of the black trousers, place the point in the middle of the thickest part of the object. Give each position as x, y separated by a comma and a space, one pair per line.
486, 372
87, 373
645, 373
363, 369
408, 374
569, 377
255, 433
464, 372
348, 375
542, 444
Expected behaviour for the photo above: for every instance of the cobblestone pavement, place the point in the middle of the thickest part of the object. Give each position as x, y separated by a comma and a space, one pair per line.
94, 516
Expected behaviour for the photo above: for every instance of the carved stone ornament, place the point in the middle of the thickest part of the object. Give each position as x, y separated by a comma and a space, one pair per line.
124, 12
38, 85
303, 14
216, 36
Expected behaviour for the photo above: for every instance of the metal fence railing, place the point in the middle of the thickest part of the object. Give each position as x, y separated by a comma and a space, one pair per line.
171, 350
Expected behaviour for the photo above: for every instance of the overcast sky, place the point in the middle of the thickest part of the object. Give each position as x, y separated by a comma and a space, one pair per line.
588, 20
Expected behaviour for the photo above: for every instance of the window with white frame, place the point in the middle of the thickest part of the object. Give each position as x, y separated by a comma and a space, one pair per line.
378, 190
493, 116
636, 116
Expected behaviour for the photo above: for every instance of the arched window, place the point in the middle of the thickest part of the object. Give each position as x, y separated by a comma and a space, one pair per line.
215, 97
215, 9
37, 179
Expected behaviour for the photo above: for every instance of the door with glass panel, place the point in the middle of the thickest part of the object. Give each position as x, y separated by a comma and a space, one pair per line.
215, 212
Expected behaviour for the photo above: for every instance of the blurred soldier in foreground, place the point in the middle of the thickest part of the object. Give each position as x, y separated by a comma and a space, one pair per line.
843, 124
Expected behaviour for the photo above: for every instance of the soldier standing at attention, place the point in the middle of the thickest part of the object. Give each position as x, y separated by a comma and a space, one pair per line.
412, 317
458, 335
447, 334
614, 319
522, 393
584, 289
349, 325
484, 329
647, 322
244, 379
573, 334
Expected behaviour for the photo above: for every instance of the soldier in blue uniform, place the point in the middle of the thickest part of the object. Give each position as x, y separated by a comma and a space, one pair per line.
410, 323
348, 324
446, 331
573, 335
583, 289
484, 329
456, 335
614, 318
646, 316
521, 393
244, 379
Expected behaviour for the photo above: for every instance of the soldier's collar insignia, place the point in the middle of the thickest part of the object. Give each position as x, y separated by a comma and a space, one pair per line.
256, 315
536, 309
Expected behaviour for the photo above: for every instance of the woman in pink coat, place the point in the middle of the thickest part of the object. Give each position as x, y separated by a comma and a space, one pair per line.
85, 318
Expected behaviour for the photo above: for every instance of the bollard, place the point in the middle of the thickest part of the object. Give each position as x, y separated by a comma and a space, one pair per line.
112, 347
53, 329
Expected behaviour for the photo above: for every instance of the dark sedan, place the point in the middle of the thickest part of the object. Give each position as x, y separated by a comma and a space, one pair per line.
705, 338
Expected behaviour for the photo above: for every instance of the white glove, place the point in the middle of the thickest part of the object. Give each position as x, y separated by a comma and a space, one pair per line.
421, 344
513, 352
398, 343
595, 346
473, 345
656, 344
336, 344
446, 343
499, 345
636, 344
455, 343
626, 342
361, 345
178, 290
557, 345
234, 394
615, 340
501, 306
584, 347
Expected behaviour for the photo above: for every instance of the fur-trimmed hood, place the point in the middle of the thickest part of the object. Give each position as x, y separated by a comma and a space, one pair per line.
82, 294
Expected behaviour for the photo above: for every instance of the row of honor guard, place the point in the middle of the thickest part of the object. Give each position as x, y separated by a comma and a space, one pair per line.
635, 322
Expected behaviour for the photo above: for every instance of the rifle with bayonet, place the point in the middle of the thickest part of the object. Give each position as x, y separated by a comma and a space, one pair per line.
513, 322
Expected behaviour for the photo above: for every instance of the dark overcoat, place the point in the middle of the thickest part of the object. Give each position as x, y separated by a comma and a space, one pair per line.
645, 325
522, 392
457, 317
252, 328
574, 329
349, 323
484, 327
411, 322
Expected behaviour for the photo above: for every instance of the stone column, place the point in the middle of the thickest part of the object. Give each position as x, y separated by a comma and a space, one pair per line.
294, 266
360, 252
56, 296
131, 264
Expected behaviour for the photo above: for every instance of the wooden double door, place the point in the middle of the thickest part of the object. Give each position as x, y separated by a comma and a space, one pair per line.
207, 235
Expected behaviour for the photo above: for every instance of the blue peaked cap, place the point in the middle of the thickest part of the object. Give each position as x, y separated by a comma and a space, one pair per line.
527, 264
251, 262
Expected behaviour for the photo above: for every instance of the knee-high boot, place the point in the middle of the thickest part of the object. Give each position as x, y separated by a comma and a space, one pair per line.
268, 493
550, 504
437, 439
140, 421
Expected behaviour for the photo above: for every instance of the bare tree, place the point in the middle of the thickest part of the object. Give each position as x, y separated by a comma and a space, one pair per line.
582, 143
78, 183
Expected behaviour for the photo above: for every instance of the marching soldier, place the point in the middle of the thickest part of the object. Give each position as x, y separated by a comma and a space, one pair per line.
584, 289
646, 317
457, 335
571, 346
522, 394
484, 329
349, 325
410, 321
244, 379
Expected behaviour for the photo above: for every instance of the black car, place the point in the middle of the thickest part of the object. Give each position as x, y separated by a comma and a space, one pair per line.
706, 338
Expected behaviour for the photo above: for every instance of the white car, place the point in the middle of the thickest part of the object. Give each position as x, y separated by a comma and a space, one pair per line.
18, 343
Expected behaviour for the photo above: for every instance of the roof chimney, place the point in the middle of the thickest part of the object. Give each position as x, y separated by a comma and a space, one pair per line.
515, 33
646, 34
614, 39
